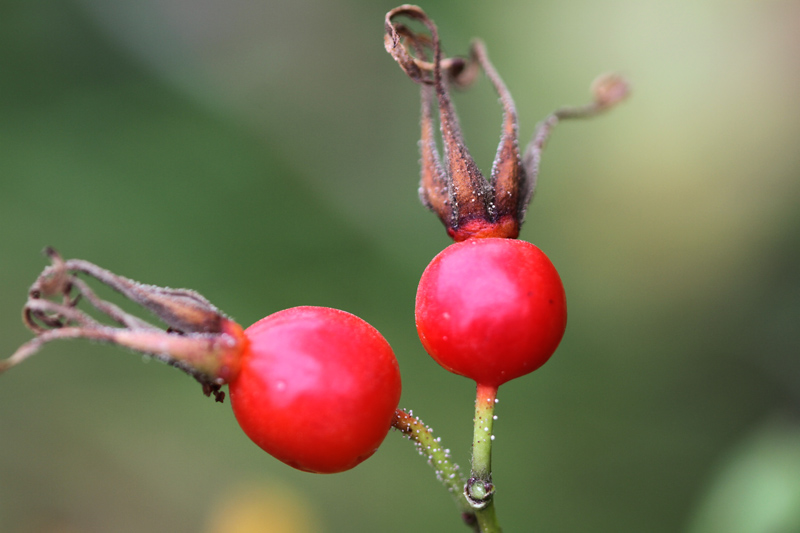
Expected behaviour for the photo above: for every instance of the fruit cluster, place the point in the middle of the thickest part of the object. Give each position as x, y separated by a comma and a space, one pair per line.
318, 388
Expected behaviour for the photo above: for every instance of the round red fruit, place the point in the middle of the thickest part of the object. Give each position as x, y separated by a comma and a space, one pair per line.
317, 389
491, 309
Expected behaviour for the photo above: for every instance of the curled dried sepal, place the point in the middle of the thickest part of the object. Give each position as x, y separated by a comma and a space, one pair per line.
607, 91
453, 187
182, 310
199, 339
456, 191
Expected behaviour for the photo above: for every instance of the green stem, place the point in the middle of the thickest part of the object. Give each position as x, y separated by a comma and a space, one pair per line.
479, 490
487, 519
447, 472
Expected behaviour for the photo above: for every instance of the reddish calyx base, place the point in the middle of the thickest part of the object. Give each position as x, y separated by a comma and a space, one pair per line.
506, 228
226, 363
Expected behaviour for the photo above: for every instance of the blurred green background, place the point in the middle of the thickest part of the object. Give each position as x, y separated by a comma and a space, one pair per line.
265, 155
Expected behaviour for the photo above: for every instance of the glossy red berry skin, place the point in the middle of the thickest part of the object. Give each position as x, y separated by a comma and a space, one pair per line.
491, 309
317, 389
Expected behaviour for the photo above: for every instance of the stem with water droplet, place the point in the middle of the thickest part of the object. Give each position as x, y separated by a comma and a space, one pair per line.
447, 472
479, 489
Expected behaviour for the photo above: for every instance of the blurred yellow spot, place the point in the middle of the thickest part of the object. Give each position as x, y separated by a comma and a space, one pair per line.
256, 508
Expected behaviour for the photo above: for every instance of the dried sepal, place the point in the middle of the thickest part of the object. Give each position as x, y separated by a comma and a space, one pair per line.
607, 91
456, 190
452, 186
199, 339
399, 36
610, 89
508, 179
396, 33
181, 309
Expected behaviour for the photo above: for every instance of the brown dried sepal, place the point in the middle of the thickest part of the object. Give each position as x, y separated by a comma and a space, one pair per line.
199, 339
454, 188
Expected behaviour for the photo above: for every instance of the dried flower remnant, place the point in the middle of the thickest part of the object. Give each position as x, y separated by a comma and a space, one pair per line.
199, 339
469, 205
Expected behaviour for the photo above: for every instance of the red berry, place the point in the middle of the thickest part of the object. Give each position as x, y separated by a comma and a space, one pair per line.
317, 389
491, 309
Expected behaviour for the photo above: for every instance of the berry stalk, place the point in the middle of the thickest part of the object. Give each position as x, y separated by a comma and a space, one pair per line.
479, 489
447, 472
